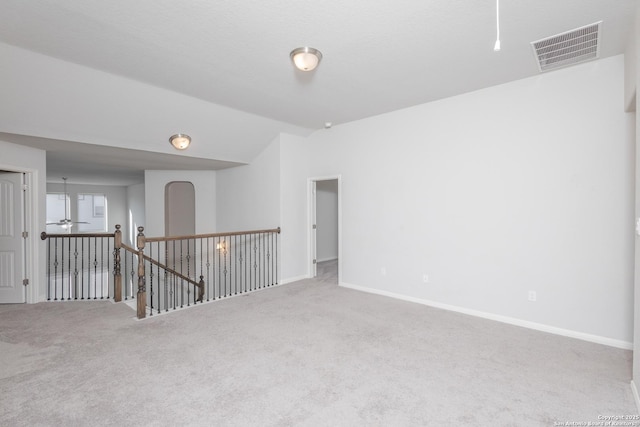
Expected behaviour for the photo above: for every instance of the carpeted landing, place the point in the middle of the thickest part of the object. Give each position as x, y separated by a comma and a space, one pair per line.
304, 354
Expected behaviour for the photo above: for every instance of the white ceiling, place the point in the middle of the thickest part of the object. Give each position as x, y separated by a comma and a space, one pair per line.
379, 55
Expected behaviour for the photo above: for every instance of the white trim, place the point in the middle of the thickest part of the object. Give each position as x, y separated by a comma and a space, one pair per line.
504, 319
293, 279
636, 397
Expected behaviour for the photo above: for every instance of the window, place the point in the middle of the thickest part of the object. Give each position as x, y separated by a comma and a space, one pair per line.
57, 212
92, 212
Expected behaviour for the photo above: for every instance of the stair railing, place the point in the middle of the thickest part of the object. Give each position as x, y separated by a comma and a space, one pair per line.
187, 270
179, 270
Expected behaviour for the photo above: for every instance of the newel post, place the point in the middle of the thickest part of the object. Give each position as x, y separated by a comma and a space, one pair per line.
117, 275
142, 291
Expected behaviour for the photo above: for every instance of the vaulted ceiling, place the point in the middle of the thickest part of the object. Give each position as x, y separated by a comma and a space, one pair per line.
379, 55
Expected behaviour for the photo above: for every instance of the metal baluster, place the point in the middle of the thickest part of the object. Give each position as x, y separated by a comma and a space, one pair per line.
55, 264
109, 275
95, 268
224, 256
151, 281
82, 270
201, 263
208, 274
256, 260
268, 272
126, 281
101, 267
158, 284
167, 290
189, 272
67, 281
277, 237
173, 279
62, 284
218, 250
252, 282
235, 264
48, 269
242, 285
132, 273
75, 268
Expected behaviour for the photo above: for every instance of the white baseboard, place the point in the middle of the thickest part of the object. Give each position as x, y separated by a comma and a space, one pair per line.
504, 319
293, 279
636, 397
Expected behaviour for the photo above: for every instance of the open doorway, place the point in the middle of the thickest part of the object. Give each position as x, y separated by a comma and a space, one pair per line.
325, 229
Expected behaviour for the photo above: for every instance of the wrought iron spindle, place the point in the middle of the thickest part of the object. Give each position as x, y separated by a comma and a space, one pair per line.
208, 273
48, 269
75, 268
150, 269
249, 264
225, 271
108, 270
82, 269
165, 285
256, 261
101, 267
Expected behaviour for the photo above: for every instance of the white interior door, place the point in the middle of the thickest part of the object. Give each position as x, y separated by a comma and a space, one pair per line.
11, 241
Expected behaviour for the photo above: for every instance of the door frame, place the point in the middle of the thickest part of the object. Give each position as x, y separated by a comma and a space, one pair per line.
311, 206
31, 252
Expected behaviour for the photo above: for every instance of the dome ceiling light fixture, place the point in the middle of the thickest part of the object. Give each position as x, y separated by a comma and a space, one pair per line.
180, 141
305, 58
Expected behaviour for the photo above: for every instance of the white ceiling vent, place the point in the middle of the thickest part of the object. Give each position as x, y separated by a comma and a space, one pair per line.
571, 47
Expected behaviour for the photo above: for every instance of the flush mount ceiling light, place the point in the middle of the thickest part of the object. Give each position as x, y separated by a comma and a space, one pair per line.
180, 141
306, 58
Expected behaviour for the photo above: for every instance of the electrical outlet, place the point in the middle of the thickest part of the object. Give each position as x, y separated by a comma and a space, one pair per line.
383, 271
425, 278
532, 296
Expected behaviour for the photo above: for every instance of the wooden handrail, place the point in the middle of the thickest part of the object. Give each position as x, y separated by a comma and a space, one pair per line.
129, 248
170, 270
44, 235
204, 236
200, 284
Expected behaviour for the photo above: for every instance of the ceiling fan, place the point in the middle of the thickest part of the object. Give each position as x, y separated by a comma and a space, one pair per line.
66, 223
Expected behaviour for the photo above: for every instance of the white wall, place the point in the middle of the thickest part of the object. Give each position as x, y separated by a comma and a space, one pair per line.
204, 183
294, 172
17, 158
521, 187
327, 220
135, 212
249, 196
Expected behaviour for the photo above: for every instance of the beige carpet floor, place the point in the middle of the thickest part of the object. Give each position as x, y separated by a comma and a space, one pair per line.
304, 354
